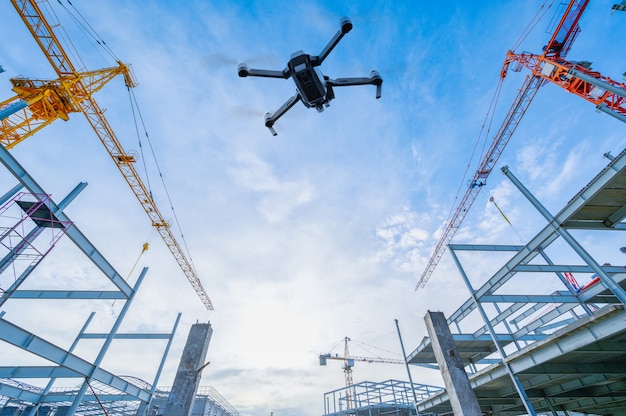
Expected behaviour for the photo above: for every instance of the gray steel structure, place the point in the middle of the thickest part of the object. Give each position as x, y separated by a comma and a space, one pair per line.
207, 402
528, 352
22, 251
368, 398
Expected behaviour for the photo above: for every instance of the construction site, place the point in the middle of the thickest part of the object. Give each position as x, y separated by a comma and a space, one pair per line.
532, 323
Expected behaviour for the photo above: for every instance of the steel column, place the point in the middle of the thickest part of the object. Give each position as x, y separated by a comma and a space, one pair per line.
607, 280
518, 385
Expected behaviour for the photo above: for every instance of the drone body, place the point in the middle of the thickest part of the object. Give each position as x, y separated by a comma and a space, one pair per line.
314, 89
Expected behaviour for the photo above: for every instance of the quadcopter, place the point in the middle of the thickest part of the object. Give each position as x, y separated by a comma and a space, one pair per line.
313, 88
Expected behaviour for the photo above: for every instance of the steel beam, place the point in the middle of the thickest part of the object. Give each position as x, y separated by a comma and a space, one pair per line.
554, 224
31, 343
73, 232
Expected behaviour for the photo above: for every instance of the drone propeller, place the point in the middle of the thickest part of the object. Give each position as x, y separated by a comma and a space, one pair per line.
221, 59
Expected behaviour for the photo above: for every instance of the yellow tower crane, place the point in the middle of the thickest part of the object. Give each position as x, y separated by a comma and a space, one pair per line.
348, 363
40, 102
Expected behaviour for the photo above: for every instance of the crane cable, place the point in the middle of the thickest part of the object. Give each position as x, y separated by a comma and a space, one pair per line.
143, 250
86, 28
96, 396
554, 280
487, 122
533, 23
493, 105
519, 236
362, 345
93, 34
134, 104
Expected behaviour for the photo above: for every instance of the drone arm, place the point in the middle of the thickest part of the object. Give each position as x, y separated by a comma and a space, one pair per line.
346, 26
244, 71
270, 119
374, 79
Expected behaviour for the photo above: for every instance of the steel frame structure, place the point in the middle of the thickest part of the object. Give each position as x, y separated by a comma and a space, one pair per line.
207, 402
119, 393
527, 351
376, 398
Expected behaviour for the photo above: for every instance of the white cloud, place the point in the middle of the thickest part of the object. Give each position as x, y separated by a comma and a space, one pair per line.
313, 235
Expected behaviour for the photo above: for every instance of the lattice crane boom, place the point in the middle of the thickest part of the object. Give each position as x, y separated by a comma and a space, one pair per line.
348, 363
72, 91
556, 49
364, 359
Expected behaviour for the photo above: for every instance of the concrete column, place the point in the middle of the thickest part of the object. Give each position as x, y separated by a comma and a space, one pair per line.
462, 397
180, 400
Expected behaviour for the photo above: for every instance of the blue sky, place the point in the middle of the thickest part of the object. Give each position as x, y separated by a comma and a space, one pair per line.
323, 231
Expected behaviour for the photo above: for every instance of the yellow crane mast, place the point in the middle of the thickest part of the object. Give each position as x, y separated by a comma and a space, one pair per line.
348, 363
40, 102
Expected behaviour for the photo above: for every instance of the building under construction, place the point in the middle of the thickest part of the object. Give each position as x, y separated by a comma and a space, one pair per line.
518, 346
510, 349
525, 352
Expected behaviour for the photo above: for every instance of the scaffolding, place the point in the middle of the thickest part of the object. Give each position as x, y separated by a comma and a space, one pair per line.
101, 399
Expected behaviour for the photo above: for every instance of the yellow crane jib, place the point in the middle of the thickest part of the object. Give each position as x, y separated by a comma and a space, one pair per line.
40, 102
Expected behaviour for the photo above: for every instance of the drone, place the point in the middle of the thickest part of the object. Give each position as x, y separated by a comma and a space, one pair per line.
313, 88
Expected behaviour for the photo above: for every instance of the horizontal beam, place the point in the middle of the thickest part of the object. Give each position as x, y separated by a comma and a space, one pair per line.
16, 393
484, 247
553, 268
126, 336
530, 299
30, 342
38, 372
577, 368
73, 233
67, 294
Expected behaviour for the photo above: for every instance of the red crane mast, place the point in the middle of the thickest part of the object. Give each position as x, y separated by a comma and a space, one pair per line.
556, 49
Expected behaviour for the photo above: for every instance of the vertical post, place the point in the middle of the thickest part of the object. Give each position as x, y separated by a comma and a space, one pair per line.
143, 406
462, 397
181, 398
46, 390
107, 343
607, 280
406, 363
516, 382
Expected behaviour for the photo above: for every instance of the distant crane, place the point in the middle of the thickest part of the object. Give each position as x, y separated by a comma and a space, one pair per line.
40, 102
348, 363
577, 78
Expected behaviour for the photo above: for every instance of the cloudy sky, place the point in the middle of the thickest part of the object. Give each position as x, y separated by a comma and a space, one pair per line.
320, 232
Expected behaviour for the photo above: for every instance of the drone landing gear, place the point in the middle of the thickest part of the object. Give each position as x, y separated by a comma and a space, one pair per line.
270, 118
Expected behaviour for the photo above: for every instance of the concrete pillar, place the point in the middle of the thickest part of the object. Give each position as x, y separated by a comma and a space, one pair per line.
462, 397
180, 400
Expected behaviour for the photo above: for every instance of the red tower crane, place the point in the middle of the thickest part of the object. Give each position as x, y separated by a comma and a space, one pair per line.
609, 96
